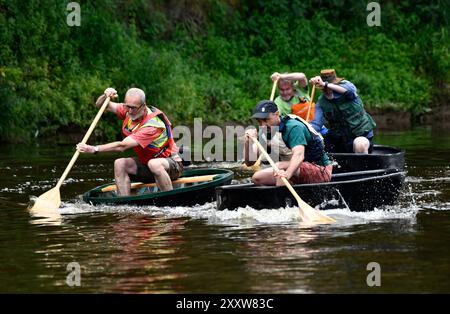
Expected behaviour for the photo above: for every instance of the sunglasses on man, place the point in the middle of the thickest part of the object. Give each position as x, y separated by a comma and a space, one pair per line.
132, 107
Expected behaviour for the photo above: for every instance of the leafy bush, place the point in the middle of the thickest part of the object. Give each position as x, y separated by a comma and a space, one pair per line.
209, 58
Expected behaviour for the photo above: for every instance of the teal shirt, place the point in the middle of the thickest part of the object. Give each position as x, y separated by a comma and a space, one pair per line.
296, 133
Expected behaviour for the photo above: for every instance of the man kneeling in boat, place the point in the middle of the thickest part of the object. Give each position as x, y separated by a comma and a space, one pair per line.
148, 131
309, 162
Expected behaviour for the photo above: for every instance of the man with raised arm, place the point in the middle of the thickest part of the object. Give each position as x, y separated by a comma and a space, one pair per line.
148, 132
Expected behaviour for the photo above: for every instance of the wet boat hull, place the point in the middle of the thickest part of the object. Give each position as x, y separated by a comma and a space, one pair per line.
359, 191
188, 195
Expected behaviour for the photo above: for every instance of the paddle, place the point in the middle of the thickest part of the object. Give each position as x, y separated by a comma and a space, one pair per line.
274, 88
47, 204
307, 213
137, 185
256, 165
310, 102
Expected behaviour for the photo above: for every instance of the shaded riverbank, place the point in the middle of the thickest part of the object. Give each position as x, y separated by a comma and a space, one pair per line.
391, 120
387, 120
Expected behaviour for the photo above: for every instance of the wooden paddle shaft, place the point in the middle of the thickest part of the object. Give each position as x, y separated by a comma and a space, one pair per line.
85, 139
310, 102
274, 88
258, 161
307, 213
274, 166
272, 95
138, 185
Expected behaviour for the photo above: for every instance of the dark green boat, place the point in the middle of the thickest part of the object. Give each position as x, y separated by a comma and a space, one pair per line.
186, 192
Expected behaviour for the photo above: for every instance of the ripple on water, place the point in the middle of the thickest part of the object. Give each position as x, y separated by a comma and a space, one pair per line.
411, 179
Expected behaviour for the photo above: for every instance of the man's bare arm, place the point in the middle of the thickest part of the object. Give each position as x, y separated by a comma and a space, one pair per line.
300, 77
118, 146
109, 92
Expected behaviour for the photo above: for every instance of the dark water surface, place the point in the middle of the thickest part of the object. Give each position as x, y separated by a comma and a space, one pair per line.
201, 250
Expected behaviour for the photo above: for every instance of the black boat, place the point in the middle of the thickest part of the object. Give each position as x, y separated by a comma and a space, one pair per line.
382, 157
193, 187
359, 191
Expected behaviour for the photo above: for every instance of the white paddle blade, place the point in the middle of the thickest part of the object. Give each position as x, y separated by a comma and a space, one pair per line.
47, 205
309, 214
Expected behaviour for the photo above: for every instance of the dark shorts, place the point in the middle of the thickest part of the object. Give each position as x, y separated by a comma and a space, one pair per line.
144, 174
337, 145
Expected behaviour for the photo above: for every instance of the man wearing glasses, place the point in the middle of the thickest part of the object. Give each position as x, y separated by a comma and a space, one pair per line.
148, 131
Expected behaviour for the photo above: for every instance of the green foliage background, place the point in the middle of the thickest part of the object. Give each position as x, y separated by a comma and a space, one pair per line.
209, 58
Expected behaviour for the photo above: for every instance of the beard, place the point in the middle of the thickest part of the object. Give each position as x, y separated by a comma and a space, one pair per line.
136, 116
287, 98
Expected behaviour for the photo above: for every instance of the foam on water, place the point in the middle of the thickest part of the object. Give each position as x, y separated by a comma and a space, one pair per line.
243, 217
345, 216
410, 203
250, 216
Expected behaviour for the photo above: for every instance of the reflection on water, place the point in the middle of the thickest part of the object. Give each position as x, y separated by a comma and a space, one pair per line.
143, 250
129, 249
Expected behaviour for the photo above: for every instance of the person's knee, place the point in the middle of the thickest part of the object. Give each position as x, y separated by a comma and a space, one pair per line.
361, 145
156, 167
119, 165
257, 178
262, 178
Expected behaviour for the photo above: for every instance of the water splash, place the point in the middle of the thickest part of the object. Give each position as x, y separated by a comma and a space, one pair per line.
250, 216
245, 217
345, 216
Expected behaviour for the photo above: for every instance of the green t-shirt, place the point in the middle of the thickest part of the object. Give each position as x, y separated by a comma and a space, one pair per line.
296, 133
284, 107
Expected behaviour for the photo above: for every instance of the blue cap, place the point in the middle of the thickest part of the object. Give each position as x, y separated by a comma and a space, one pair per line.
263, 108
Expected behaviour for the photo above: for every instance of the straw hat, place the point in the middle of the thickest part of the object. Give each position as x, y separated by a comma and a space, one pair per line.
329, 75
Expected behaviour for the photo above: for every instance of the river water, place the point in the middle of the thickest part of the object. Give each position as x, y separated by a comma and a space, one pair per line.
201, 250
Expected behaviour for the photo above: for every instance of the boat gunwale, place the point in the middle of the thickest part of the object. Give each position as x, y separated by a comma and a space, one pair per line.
398, 152
307, 185
222, 176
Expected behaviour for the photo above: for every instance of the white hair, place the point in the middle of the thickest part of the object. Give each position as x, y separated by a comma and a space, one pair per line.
133, 92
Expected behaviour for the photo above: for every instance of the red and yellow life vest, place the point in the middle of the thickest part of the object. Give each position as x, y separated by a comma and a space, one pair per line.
163, 146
